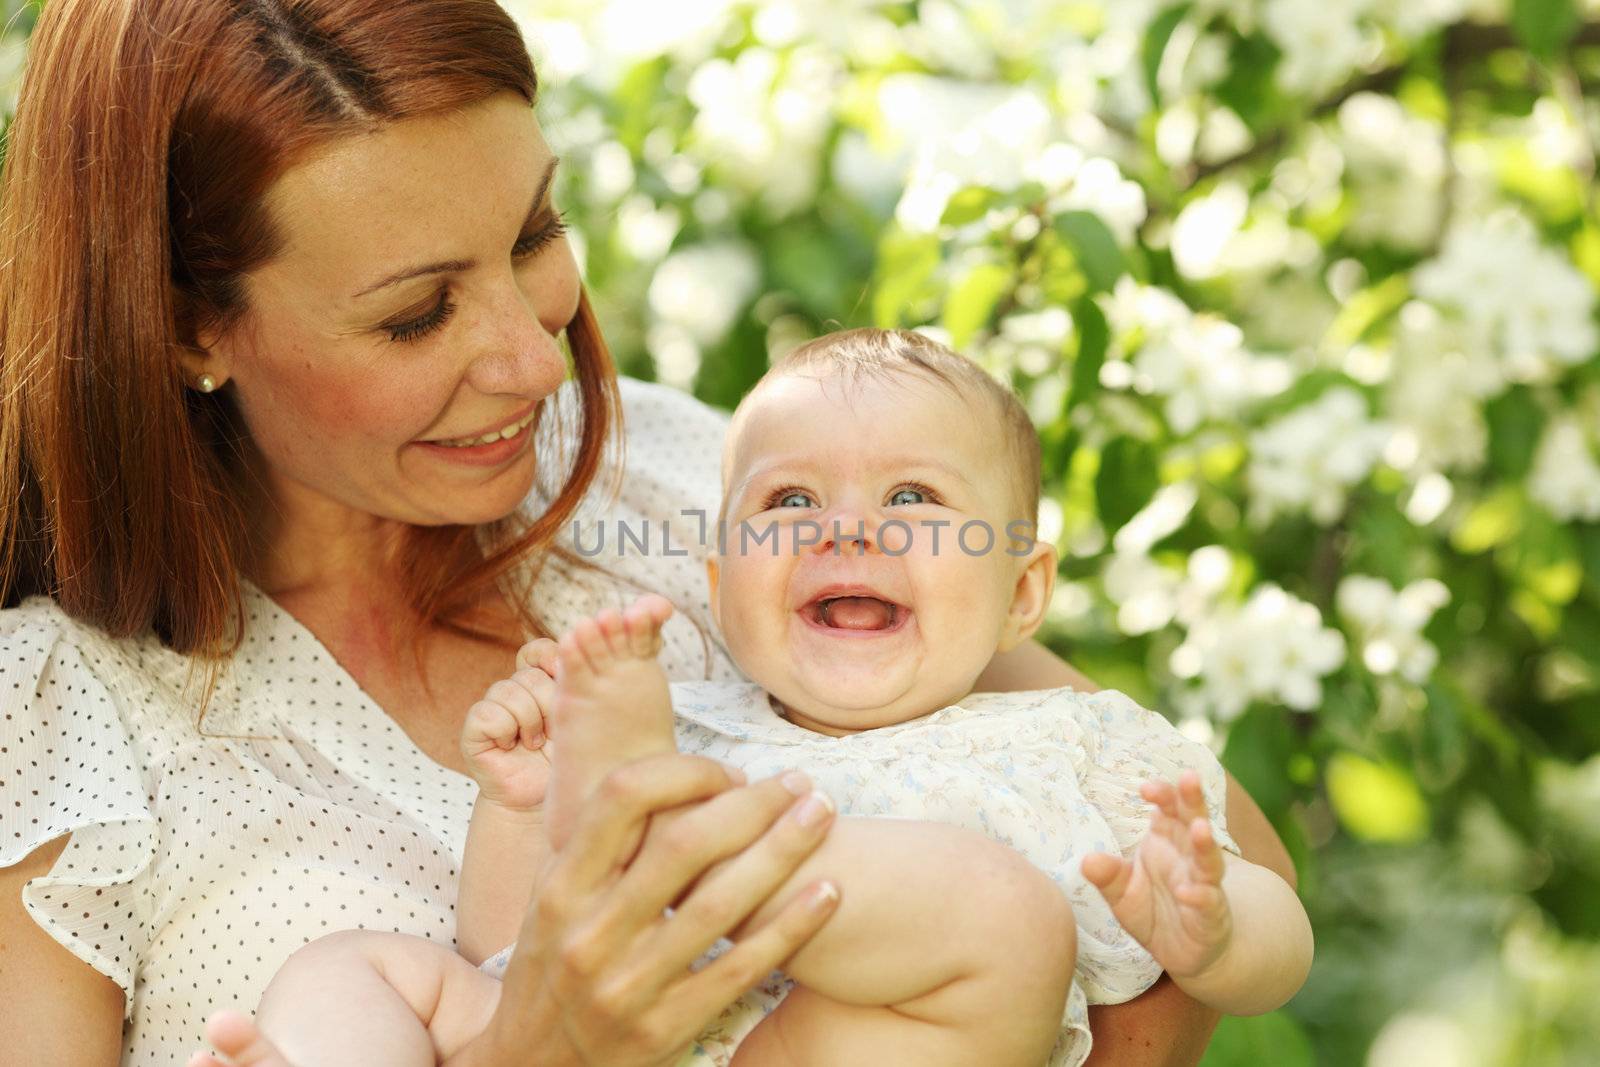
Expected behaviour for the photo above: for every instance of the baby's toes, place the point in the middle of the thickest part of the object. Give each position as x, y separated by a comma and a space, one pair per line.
615, 632
644, 619
581, 652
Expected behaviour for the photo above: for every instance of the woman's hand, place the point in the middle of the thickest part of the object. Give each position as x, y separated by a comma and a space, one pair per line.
600, 976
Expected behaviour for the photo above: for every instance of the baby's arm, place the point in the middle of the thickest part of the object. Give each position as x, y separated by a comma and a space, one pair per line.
507, 753
1230, 933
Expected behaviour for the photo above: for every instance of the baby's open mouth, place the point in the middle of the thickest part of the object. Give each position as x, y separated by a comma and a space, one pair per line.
854, 613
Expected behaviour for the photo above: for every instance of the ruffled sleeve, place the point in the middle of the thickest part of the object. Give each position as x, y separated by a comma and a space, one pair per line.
1133, 744
69, 766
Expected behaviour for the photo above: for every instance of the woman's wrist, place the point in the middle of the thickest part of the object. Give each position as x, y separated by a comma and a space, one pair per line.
519, 1036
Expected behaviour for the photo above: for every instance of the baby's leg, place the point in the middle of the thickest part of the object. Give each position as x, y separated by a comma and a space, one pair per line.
357, 998
611, 705
948, 948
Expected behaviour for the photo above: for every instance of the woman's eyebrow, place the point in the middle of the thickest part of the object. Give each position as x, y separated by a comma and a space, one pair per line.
455, 265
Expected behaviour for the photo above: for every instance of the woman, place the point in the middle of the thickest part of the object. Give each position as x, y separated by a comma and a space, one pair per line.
284, 460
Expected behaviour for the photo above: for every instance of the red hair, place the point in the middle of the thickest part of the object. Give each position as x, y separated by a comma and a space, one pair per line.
146, 136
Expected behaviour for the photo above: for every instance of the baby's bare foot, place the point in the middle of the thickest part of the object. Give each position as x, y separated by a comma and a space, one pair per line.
237, 1037
611, 705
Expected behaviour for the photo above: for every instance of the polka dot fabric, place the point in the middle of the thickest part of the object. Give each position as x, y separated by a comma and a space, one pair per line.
203, 854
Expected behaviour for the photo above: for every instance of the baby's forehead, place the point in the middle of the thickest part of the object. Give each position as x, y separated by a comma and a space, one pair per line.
781, 415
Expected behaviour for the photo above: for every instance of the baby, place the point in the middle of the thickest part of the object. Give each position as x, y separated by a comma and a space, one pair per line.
997, 863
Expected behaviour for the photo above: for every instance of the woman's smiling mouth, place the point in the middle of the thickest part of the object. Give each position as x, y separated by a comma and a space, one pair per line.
504, 433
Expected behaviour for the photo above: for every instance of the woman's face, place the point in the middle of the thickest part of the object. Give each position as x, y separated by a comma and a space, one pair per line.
413, 311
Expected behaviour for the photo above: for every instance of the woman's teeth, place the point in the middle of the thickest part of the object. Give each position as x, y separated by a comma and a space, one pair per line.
490, 438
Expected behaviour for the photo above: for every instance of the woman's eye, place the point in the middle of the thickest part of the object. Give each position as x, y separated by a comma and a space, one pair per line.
532, 243
402, 332
526, 247
907, 496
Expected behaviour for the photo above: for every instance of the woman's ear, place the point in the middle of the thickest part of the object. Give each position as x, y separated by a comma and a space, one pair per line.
1031, 596
203, 350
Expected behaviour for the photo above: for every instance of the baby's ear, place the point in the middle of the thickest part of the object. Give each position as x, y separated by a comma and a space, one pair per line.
1031, 596
713, 576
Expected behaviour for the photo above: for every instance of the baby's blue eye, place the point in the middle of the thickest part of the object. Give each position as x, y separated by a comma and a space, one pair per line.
901, 495
796, 500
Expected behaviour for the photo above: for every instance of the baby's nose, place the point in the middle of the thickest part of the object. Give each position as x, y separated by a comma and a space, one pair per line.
847, 535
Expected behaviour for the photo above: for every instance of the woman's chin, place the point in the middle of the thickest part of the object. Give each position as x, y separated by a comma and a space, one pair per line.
475, 505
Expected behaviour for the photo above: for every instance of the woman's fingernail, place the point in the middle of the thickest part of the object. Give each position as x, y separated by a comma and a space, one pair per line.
797, 783
824, 897
814, 808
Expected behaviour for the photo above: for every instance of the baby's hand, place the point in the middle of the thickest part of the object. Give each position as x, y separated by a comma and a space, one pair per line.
1169, 897
504, 740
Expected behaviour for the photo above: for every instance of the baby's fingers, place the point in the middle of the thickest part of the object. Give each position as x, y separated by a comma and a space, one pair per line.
539, 654
1209, 865
489, 725
1204, 898
1160, 792
1109, 874
517, 696
1191, 798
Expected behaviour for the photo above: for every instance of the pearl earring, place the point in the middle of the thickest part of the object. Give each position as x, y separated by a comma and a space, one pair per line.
206, 384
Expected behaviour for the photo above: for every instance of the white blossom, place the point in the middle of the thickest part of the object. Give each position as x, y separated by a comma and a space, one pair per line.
762, 119
1389, 623
1397, 167
1145, 592
1273, 647
1565, 477
1198, 363
1440, 377
1310, 458
1323, 41
702, 289
1498, 279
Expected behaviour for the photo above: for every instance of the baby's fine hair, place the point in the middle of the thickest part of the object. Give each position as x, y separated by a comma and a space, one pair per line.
875, 353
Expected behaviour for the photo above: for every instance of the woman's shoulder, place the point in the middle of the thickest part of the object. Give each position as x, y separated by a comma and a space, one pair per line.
673, 444
52, 664
38, 629
669, 412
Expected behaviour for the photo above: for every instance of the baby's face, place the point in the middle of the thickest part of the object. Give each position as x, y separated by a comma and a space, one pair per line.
851, 634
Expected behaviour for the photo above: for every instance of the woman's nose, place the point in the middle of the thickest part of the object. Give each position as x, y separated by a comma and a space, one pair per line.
513, 352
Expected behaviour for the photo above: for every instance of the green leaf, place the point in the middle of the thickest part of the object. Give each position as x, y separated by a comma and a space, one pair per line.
972, 302
1589, 553
1515, 420
1545, 26
968, 205
1096, 249
1440, 738
1545, 560
1249, 87
1494, 520
1154, 48
1255, 1040
906, 266
1446, 697
1094, 338
1376, 801
1260, 747
1128, 477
